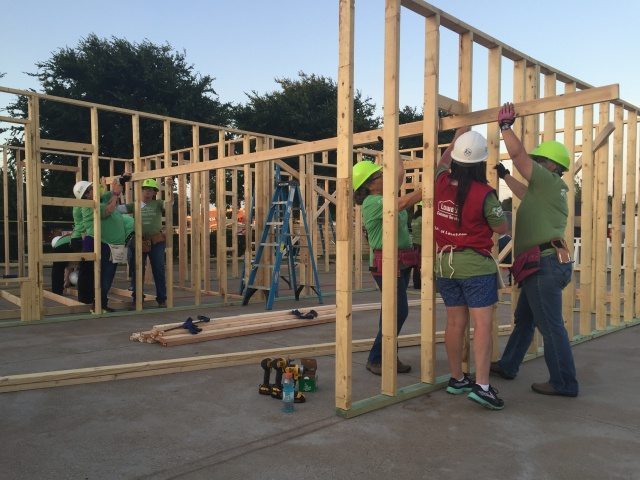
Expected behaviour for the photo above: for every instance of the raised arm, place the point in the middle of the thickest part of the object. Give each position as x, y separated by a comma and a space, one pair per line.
521, 159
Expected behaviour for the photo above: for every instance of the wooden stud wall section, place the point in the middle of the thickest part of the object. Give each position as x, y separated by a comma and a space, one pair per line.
389, 202
586, 220
568, 294
616, 215
631, 301
601, 221
5, 204
429, 160
221, 231
262, 160
344, 207
494, 67
465, 97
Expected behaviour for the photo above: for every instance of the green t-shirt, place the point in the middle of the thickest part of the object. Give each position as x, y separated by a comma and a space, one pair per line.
78, 223
87, 213
128, 225
151, 216
468, 263
112, 226
416, 230
372, 217
543, 213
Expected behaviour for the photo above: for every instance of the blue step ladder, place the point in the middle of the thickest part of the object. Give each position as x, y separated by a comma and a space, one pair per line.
286, 244
320, 222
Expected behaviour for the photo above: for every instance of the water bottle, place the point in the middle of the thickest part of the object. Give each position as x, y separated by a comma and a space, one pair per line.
288, 393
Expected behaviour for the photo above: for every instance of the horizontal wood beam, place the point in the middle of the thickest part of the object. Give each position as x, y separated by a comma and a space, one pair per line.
22, 121
67, 146
61, 168
31, 381
67, 202
68, 257
531, 107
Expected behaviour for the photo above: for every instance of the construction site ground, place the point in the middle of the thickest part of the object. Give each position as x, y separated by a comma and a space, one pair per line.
212, 424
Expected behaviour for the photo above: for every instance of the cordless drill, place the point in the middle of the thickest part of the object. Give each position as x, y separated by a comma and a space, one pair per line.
265, 387
279, 364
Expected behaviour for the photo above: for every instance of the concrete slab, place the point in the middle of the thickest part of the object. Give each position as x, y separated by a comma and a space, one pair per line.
212, 424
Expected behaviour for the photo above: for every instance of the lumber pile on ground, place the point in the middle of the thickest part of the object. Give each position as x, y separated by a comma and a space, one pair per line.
172, 334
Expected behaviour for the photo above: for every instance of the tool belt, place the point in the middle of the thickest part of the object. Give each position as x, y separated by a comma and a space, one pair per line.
118, 253
528, 262
407, 258
149, 240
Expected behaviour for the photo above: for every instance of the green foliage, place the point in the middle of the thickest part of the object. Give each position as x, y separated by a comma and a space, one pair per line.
304, 108
138, 76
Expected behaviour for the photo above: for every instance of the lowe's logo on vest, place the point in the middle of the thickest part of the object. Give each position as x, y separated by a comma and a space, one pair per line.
447, 209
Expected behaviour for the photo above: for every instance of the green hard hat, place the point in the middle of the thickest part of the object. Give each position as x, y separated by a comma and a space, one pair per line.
150, 183
554, 151
362, 171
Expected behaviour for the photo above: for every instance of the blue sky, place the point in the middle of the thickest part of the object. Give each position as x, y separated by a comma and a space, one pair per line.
246, 44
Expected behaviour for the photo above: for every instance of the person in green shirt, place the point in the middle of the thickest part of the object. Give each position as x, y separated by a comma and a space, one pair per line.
416, 237
467, 214
153, 239
112, 244
59, 270
367, 188
540, 223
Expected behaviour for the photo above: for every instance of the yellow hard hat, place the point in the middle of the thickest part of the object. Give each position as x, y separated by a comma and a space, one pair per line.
362, 171
150, 183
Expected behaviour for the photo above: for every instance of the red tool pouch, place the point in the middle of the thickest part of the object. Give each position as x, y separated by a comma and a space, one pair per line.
526, 264
407, 257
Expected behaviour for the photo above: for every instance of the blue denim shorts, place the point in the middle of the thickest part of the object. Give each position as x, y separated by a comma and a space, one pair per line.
475, 292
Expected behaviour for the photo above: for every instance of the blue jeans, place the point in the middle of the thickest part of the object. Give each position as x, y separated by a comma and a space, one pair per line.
375, 355
156, 258
540, 305
107, 273
85, 273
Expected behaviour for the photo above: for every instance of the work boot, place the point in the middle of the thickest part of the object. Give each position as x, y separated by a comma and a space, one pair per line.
547, 389
162, 303
374, 368
498, 370
402, 367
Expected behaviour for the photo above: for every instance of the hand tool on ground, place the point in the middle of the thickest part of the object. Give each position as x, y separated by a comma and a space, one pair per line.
310, 314
190, 325
265, 387
279, 365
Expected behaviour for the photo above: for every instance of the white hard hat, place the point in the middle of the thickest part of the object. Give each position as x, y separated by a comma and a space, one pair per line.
470, 147
81, 187
54, 242
73, 277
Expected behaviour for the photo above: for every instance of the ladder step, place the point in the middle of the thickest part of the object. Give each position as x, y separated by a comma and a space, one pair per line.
269, 244
279, 203
259, 287
275, 223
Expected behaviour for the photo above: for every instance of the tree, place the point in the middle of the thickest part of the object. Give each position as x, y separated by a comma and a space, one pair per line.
139, 76
304, 108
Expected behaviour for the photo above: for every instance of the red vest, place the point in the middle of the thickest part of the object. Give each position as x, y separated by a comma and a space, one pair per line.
474, 232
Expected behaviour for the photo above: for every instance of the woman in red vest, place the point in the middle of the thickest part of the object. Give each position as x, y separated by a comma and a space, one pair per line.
467, 213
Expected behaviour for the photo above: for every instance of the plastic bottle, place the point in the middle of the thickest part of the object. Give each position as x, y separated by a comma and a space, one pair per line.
288, 393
